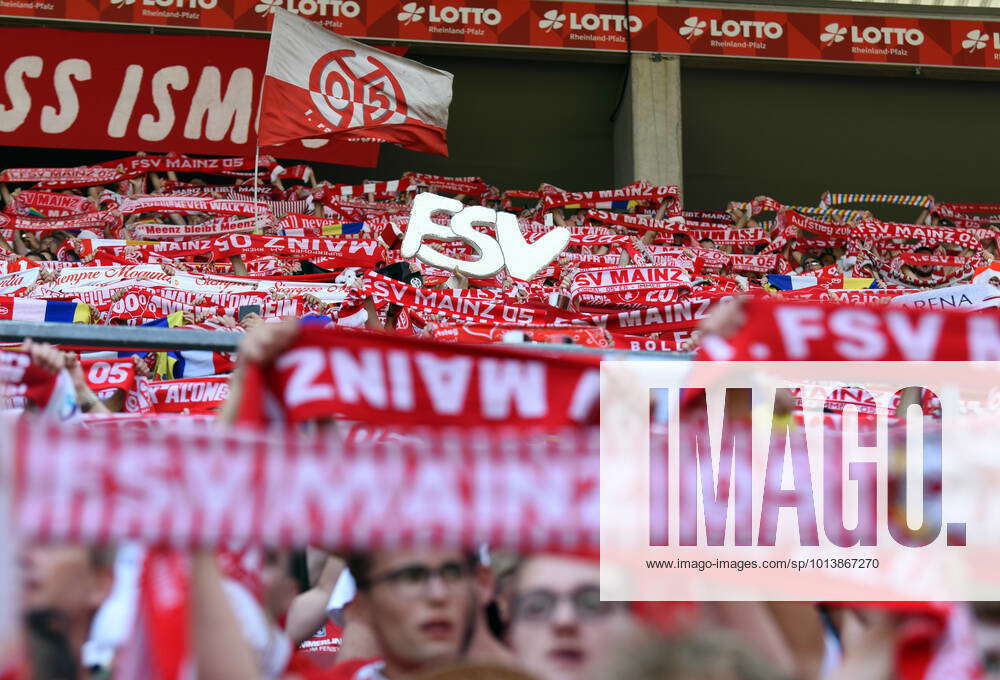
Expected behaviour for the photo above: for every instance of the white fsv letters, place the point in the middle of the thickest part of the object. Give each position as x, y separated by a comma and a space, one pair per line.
857, 334
523, 260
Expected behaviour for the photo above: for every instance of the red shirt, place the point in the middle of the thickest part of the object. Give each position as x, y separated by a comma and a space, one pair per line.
355, 669
326, 639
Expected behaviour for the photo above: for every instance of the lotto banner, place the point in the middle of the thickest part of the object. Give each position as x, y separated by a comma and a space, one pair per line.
71, 89
668, 29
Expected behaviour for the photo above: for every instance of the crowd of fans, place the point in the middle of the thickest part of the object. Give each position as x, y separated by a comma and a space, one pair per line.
641, 273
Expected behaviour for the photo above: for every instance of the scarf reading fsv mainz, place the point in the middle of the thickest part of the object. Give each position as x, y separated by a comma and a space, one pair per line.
354, 252
616, 280
453, 304
658, 316
385, 379
636, 221
637, 191
126, 168
188, 486
51, 204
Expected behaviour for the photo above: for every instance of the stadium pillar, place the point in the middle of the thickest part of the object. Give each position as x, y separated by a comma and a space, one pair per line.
648, 128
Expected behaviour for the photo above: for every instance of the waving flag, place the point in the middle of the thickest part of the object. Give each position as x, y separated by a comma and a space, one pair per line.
25, 309
319, 84
791, 282
328, 229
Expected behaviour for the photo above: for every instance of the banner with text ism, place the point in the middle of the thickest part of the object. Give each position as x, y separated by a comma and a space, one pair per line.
185, 93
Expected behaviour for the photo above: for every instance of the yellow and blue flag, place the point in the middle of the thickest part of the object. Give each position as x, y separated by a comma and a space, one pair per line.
341, 228
58, 311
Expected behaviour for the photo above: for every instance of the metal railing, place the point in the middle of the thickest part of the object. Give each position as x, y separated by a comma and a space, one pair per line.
119, 337
146, 338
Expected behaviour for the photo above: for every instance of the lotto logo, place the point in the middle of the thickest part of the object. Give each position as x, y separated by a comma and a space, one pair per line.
873, 35
978, 40
834, 33
410, 13
551, 21
692, 28
332, 8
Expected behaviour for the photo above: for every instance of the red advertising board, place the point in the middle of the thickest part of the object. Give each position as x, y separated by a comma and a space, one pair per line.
185, 93
668, 29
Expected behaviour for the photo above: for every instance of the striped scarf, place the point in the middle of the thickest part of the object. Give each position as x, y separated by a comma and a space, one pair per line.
916, 200
390, 188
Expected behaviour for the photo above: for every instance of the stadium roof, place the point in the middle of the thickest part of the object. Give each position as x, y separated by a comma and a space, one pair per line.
954, 8
988, 4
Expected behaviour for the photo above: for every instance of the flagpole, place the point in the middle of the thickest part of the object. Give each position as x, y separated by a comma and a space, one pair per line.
256, 152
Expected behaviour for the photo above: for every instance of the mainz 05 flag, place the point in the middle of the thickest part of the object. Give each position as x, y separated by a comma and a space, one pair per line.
319, 84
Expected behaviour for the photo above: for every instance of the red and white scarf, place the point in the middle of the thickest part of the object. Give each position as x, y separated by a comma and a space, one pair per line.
19, 282
182, 204
90, 220
471, 186
611, 281
704, 257
308, 224
731, 237
23, 383
381, 189
685, 314
213, 227
62, 177
869, 296
352, 252
635, 221
795, 220
759, 264
104, 375
637, 191
672, 342
889, 231
52, 204
718, 216
188, 486
454, 304
479, 334
386, 379
194, 395
804, 331
175, 162
159, 647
